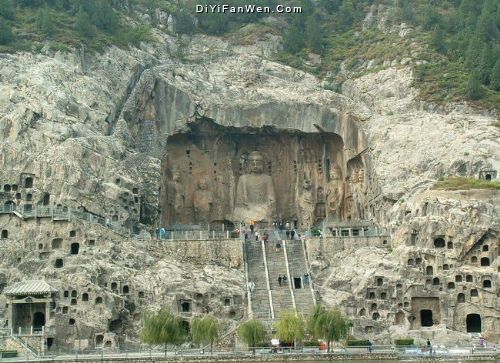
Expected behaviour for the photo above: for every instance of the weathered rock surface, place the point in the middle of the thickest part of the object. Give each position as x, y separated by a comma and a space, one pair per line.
95, 141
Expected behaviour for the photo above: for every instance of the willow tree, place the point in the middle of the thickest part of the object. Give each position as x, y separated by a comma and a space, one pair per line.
163, 328
205, 330
290, 327
329, 325
252, 332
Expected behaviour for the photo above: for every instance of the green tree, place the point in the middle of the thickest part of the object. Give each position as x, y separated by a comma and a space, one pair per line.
486, 27
486, 65
6, 35
329, 325
346, 15
163, 328
252, 332
293, 41
7, 9
205, 330
184, 23
290, 327
313, 33
473, 53
495, 77
407, 11
45, 21
83, 23
437, 40
473, 90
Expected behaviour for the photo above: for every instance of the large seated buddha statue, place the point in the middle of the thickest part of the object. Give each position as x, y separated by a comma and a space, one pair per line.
255, 198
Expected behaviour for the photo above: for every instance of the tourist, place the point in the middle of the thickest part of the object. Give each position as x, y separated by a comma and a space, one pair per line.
287, 234
285, 278
429, 346
279, 280
292, 234
369, 344
306, 279
278, 246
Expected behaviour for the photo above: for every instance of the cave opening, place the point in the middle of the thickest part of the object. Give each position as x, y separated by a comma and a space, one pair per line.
473, 322
285, 174
426, 317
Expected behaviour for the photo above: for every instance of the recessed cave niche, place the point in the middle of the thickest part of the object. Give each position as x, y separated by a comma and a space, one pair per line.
426, 311
216, 173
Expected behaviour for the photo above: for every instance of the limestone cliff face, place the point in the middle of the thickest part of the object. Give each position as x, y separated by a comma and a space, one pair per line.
93, 139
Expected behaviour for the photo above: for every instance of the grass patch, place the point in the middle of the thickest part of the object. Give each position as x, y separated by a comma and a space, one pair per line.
456, 183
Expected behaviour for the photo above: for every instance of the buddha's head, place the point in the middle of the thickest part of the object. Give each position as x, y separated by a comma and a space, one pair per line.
256, 162
202, 184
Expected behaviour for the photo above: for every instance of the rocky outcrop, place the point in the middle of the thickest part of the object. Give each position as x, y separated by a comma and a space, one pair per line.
95, 142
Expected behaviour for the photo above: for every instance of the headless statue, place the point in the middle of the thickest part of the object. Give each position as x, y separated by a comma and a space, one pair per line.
255, 197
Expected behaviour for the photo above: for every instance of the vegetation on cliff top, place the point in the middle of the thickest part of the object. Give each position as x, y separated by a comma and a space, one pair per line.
27, 24
455, 183
456, 42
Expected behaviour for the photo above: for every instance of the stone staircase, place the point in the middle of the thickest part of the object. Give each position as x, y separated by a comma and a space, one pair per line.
282, 295
257, 274
297, 265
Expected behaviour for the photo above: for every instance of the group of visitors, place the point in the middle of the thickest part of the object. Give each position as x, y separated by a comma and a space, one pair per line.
282, 280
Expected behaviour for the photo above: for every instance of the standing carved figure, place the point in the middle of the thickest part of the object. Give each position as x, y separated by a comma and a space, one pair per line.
255, 197
306, 203
335, 194
202, 202
176, 198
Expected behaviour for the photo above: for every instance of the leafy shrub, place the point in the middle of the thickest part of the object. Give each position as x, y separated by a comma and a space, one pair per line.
357, 343
404, 342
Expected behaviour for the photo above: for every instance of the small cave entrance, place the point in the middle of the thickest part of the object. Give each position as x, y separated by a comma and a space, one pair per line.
429, 270
38, 320
439, 242
487, 177
115, 325
28, 182
99, 339
473, 322
426, 317
460, 298
57, 243
487, 284
59, 263
46, 199
185, 306
485, 261
5, 234
125, 289
75, 248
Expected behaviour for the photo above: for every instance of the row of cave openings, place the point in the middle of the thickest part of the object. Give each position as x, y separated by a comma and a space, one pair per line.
472, 321
28, 184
